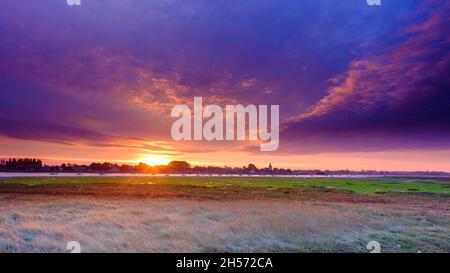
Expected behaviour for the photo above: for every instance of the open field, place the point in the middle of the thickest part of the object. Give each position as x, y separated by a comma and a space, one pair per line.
357, 185
222, 214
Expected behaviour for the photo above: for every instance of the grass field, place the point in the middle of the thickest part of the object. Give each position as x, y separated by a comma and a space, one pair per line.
357, 185
224, 214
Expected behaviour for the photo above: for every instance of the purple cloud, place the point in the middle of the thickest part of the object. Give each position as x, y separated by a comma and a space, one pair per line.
398, 98
108, 72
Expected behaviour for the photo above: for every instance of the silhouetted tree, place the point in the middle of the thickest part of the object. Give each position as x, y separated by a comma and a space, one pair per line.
178, 166
23, 164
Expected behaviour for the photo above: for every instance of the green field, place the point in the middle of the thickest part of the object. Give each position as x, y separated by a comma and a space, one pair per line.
357, 185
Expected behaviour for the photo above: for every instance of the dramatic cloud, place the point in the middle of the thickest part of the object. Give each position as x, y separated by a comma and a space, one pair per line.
348, 77
398, 98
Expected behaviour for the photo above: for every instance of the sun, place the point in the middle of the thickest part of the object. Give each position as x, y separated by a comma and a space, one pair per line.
155, 161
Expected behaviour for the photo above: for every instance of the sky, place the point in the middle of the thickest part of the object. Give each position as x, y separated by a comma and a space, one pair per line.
359, 86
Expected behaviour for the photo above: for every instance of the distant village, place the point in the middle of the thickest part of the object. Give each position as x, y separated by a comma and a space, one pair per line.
181, 167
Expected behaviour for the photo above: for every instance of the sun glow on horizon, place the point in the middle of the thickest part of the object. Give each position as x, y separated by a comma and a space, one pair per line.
153, 161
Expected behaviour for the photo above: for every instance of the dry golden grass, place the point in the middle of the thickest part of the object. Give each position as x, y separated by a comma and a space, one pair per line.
38, 223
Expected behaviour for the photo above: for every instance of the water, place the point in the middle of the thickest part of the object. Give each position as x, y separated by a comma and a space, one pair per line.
28, 174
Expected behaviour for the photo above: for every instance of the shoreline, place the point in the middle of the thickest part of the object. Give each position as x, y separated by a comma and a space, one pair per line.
38, 174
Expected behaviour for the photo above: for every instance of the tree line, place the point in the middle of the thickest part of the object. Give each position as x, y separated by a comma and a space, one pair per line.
21, 164
35, 165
